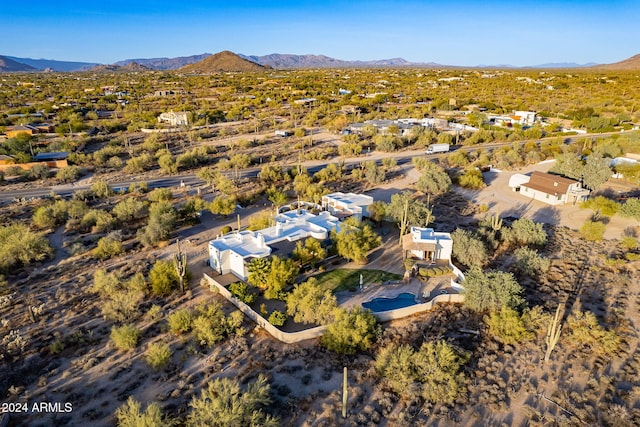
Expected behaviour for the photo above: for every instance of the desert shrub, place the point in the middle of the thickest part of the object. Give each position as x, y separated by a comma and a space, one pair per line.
261, 221
222, 404
163, 277
631, 208
530, 262
423, 272
601, 205
210, 324
432, 372
508, 326
180, 321
593, 230
130, 414
629, 242
226, 229
352, 330
140, 163
158, 355
20, 247
241, 291
125, 337
586, 332
277, 318
155, 312
108, 247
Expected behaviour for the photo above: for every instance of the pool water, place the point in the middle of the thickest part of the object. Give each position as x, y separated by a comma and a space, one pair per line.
384, 304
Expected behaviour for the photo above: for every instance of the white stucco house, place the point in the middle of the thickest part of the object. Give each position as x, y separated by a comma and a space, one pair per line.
548, 188
179, 118
427, 244
344, 205
232, 252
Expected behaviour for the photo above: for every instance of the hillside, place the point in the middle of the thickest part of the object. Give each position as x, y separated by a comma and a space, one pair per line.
43, 64
287, 61
9, 65
131, 67
632, 63
223, 61
166, 63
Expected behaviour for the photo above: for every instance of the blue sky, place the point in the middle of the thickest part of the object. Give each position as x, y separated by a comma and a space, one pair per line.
457, 32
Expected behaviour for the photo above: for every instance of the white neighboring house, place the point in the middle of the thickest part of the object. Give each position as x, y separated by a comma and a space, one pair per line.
525, 118
344, 205
548, 188
231, 253
424, 243
180, 118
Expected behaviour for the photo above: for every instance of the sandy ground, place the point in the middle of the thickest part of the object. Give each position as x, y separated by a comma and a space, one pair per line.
502, 200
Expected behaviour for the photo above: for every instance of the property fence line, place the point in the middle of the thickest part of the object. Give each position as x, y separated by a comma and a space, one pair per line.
294, 337
287, 337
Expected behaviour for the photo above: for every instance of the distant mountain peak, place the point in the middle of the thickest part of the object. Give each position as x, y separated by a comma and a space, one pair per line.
225, 61
131, 67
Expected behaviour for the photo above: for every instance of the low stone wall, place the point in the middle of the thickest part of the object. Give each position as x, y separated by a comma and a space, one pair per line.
399, 313
287, 337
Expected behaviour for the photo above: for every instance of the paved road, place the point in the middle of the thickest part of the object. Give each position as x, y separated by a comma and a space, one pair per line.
191, 180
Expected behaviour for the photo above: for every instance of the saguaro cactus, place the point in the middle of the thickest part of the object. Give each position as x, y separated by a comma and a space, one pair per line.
553, 334
345, 394
180, 264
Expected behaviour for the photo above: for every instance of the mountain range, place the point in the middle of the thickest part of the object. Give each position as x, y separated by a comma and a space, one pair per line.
229, 61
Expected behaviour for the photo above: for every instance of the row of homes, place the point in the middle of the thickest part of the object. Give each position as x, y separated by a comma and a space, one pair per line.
404, 126
231, 253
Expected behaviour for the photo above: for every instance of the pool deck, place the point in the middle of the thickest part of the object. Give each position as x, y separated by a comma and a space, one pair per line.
434, 286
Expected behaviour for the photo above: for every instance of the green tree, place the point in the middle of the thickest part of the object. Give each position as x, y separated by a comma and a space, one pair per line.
129, 209
491, 290
277, 197
130, 415
163, 278
282, 272
468, 248
162, 220
433, 371
526, 232
434, 179
471, 178
310, 303
168, 164
68, 174
355, 239
530, 262
596, 171
223, 205
309, 252
568, 164
407, 211
222, 404
377, 210
352, 330
180, 321
101, 189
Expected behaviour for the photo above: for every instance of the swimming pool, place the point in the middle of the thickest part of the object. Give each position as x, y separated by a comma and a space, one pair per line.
384, 304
